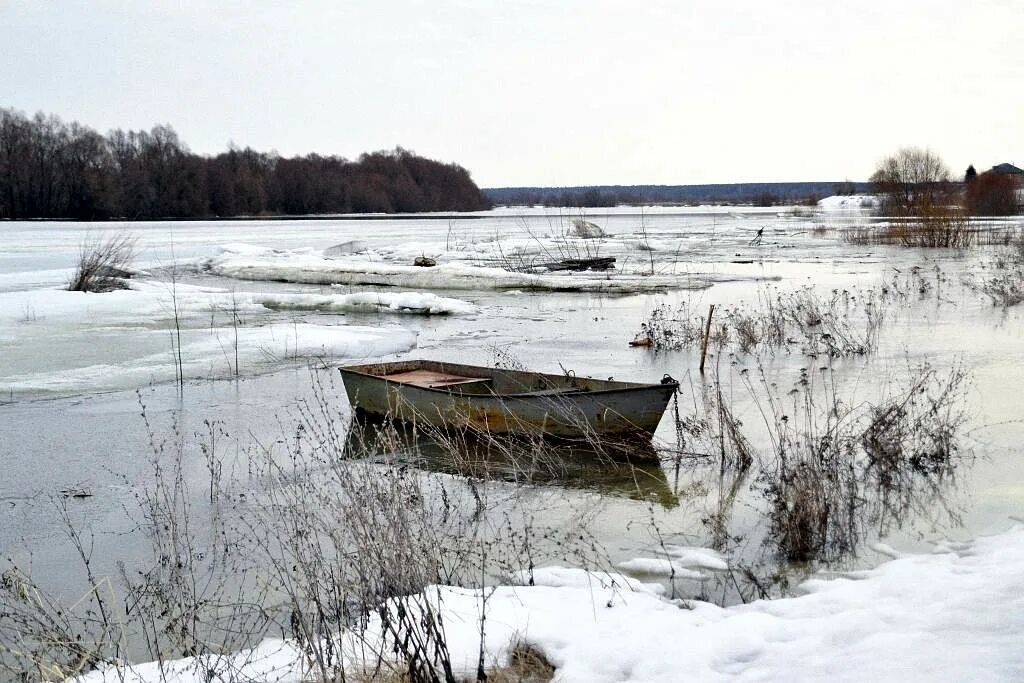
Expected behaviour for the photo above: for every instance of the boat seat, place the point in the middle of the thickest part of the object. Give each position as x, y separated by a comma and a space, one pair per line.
431, 379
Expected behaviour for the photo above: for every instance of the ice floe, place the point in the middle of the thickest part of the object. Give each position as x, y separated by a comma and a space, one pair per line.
423, 303
210, 352
307, 267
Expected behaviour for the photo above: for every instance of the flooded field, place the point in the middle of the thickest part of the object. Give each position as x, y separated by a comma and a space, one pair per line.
859, 400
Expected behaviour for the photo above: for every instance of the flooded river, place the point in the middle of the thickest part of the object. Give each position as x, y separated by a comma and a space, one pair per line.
77, 371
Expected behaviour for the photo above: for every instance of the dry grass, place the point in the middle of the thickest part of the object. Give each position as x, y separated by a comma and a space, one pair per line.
1005, 289
1005, 285
830, 466
579, 241
842, 324
526, 664
103, 264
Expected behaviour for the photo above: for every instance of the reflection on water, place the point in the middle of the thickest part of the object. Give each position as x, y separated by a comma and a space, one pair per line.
619, 469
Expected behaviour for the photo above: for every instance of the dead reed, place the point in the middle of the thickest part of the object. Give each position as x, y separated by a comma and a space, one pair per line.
933, 226
836, 466
844, 323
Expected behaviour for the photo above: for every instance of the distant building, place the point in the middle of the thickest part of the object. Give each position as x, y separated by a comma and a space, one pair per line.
1008, 169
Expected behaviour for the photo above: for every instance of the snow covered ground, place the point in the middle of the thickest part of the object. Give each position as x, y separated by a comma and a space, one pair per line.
955, 614
849, 204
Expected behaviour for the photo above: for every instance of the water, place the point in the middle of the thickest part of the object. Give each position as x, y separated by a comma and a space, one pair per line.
77, 371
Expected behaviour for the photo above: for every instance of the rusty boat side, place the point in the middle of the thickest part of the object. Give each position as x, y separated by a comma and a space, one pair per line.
500, 401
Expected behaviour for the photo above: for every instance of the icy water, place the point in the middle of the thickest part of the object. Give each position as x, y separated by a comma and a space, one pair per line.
78, 370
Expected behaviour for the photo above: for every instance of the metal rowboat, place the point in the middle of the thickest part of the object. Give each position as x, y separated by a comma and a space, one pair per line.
500, 401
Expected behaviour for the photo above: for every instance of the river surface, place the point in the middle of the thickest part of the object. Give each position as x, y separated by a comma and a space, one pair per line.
77, 371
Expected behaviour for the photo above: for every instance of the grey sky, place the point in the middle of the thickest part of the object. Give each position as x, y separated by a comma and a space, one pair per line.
543, 93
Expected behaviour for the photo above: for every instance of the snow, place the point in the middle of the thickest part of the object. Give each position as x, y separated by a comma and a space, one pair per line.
423, 303
586, 229
854, 203
310, 267
885, 549
955, 614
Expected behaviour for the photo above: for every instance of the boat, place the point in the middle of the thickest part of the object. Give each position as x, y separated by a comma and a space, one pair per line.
503, 401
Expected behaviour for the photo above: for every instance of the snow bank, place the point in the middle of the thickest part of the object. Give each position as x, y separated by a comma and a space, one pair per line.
308, 267
854, 203
954, 615
401, 302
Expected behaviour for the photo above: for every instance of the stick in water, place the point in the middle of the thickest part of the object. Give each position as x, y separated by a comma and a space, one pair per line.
707, 334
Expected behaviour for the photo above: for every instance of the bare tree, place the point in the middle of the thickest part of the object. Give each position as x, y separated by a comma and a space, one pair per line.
911, 179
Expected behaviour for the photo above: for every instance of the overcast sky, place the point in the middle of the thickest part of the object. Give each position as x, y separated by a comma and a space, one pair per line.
542, 92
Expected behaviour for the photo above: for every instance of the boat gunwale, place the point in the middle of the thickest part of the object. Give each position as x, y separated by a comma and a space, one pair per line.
637, 386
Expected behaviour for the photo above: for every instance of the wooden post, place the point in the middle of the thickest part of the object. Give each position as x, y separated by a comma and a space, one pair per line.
707, 335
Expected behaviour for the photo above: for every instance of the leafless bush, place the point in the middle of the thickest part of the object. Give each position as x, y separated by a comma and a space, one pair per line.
831, 468
103, 264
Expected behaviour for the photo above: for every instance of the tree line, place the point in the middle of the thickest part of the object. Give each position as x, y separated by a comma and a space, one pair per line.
915, 181
53, 169
760, 194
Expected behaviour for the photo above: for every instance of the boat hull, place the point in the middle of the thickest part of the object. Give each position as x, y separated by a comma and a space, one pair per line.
562, 406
